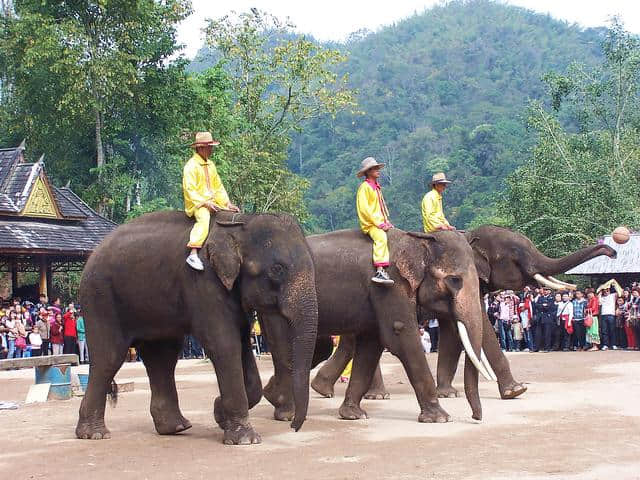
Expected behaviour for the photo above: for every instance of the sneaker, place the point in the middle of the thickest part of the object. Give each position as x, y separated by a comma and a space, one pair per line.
604, 348
382, 277
614, 347
194, 262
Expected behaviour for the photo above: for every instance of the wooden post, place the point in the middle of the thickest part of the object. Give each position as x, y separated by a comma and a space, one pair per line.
49, 278
44, 277
14, 277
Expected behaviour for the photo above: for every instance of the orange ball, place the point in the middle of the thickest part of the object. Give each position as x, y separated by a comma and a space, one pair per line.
621, 235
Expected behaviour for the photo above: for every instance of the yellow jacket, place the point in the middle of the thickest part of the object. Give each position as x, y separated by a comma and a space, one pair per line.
372, 211
432, 214
200, 184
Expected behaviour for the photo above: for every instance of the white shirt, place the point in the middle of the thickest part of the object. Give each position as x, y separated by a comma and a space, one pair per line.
608, 304
565, 308
425, 339
35, 340
433, 323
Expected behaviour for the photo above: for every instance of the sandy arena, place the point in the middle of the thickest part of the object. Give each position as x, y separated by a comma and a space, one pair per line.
578, 420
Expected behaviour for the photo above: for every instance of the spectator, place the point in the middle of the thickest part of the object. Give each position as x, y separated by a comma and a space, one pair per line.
547, 313
10, 325
634, 315
525, 313
579, 308
622, 315
43, 327
35, 342
21, 337
425, 340
56, 331
434, 330
82, 338
565, 314
607, 317
69, 330
593, 332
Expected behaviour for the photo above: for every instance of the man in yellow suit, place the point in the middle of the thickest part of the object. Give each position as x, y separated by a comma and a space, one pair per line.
203, 193
374, 217
432, 215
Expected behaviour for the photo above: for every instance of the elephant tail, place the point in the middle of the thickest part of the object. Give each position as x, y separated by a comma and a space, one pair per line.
112, 394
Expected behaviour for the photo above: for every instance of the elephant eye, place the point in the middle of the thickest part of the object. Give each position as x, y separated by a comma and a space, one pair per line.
276, 271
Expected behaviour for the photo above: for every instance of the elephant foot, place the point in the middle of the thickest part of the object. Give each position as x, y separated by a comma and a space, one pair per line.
172, 426
512, 390
283, 414
447, 392
375, 394
323, 386
88, 431
241, 434
349, 411
434, 413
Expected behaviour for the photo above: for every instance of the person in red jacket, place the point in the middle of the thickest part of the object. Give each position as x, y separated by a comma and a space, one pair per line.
70, 331
57, 339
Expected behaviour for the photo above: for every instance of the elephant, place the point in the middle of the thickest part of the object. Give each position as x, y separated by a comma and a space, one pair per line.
137, 290
437, 268
504, 259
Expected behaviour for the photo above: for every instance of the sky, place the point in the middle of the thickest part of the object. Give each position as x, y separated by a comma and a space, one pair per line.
336, 19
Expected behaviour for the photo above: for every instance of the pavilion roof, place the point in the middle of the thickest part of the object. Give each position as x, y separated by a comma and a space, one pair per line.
627, 260
36, 217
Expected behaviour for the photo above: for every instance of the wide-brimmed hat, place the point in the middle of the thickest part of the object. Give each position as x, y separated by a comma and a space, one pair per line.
439, 178
367, 164
204, 138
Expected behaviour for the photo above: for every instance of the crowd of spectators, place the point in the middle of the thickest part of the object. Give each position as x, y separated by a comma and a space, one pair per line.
605, 318
29, 329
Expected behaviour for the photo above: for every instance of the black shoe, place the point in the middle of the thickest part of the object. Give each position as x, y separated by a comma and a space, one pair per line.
382, 277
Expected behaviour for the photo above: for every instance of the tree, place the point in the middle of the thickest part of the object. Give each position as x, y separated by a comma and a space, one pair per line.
584, 177
78, 70
279, 80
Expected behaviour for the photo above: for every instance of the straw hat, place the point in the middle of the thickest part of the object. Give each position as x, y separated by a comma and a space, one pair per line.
204, 138
367, 164
439, 178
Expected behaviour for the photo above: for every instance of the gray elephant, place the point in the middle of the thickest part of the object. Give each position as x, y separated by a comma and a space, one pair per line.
137, 290
436, 268
504, 259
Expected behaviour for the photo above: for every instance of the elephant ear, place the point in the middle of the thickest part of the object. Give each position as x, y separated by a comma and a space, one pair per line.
481, 260
223, 252
409, 254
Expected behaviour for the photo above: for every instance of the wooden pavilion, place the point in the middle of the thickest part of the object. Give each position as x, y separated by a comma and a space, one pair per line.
43, 229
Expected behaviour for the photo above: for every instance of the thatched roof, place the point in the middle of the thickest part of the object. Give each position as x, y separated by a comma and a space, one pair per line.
628, 260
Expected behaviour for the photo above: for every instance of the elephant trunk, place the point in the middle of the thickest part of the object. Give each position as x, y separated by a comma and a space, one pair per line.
546, 266
301, 310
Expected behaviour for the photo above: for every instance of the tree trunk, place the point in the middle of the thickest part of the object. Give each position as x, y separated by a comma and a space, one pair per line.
99, 147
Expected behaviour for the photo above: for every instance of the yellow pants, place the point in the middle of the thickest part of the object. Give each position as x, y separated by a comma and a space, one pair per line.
380, 247
200, 230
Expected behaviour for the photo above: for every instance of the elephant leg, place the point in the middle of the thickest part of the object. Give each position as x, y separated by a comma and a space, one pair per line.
224, 340
108, 350
507, 385
160, 358
329, 373
377, 390
252, 382
448, 356
279, 389
367, 355
402, 340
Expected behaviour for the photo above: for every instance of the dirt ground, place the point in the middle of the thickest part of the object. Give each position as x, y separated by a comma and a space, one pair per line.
578, 420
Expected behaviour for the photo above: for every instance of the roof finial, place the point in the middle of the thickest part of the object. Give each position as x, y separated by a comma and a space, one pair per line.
41, 160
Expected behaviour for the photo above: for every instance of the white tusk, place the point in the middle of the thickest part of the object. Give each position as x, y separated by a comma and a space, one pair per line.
487, 365
570, 286
464, 336
548, 283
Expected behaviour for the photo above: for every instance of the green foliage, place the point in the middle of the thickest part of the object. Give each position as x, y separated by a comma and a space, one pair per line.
88, 83
584, 177
278, 81
442, 90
